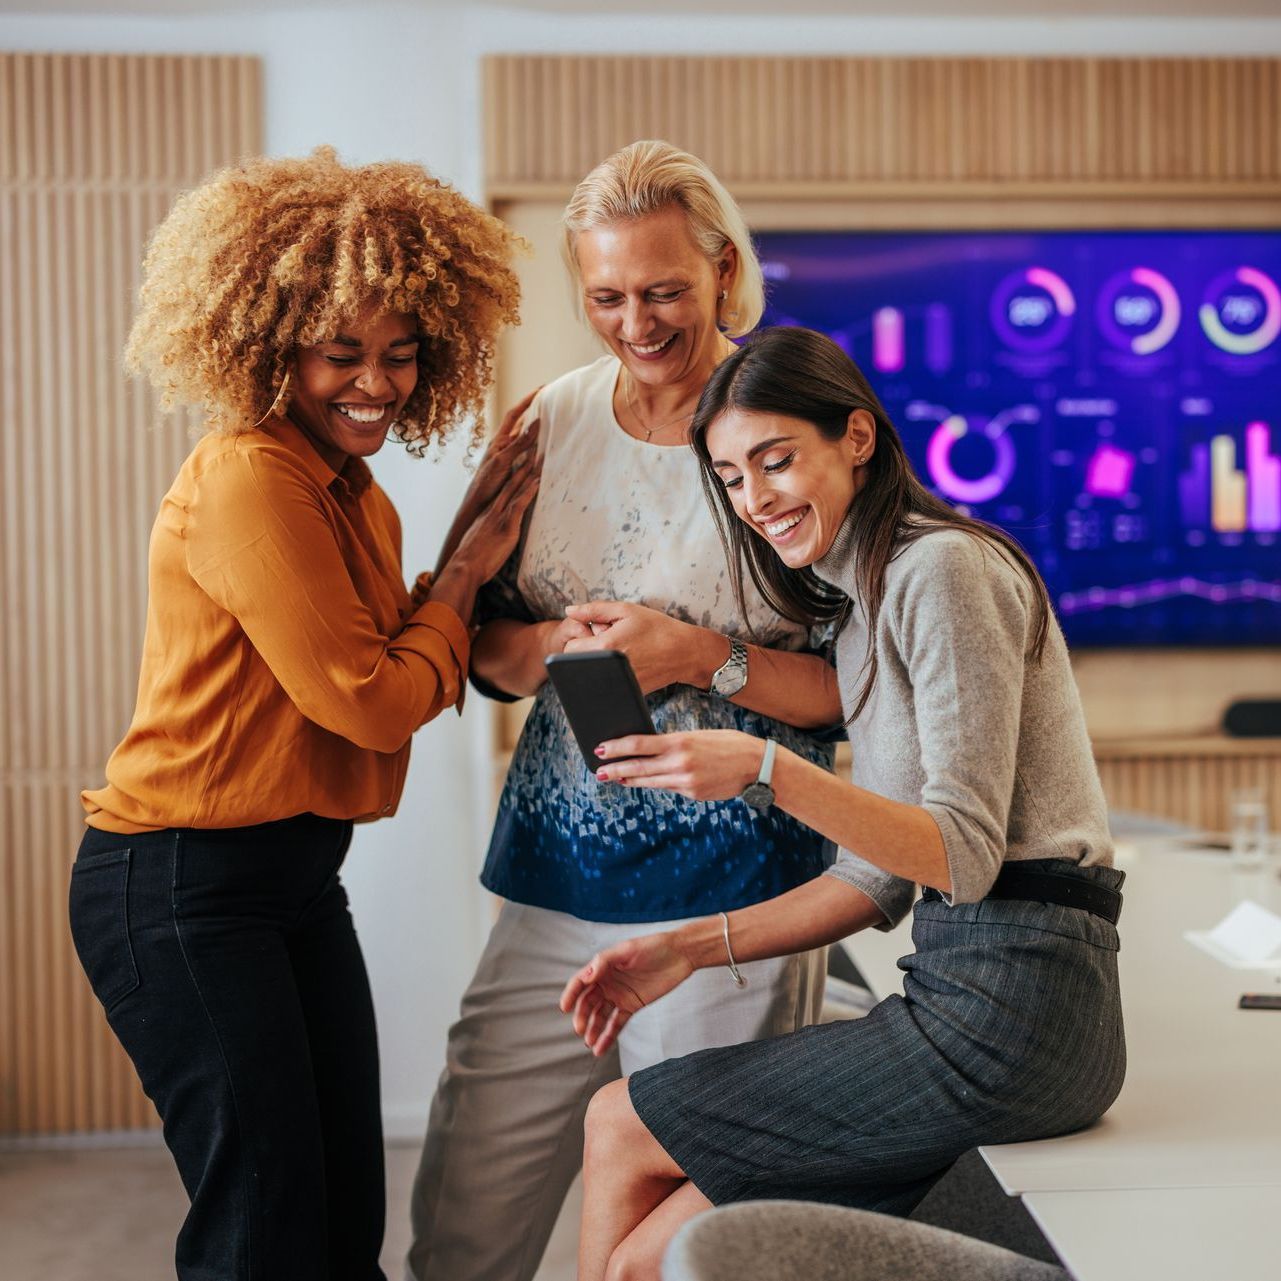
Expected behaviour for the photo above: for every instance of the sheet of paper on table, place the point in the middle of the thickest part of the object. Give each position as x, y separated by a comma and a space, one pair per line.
1248, 938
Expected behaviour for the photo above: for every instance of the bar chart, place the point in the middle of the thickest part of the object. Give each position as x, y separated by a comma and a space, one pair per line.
1216, 494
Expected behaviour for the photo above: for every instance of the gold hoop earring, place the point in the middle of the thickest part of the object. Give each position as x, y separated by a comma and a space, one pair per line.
280, 398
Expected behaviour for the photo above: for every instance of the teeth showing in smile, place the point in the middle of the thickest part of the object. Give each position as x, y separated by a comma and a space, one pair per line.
782, 526
652, 347
361, 413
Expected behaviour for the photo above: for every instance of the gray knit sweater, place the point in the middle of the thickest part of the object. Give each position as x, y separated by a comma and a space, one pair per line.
961, 721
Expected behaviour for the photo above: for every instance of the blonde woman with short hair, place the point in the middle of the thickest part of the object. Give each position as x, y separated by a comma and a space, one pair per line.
620, 552
312, 310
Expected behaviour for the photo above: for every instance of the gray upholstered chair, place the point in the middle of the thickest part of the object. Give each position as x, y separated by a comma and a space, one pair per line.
802, 1241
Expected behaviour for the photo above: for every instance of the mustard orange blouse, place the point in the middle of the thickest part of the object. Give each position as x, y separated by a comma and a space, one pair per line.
284, 666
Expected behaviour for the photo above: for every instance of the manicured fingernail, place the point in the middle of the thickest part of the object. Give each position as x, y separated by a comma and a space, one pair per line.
600, 751
602, 776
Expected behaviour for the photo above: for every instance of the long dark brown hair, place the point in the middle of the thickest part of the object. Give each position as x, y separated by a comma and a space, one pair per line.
797, 373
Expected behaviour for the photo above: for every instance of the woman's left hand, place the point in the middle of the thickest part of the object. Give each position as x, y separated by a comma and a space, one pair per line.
703, 764
509, 442
617, 982
513, 448
662, 650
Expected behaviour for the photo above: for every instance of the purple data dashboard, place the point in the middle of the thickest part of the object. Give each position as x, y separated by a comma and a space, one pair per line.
1112, 399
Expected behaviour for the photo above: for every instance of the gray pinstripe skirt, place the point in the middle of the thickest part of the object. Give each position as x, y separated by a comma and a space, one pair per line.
1009, 1029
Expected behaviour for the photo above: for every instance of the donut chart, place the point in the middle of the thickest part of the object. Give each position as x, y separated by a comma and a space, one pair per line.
1241, 313
1032, 310
1139, 311
979, 489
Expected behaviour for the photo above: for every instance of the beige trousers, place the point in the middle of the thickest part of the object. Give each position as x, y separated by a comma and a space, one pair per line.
505, 1137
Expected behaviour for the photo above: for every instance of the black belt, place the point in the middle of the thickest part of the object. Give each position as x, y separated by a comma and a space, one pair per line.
1014, 882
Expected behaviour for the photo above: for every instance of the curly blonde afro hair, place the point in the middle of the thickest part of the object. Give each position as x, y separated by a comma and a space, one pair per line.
273, 255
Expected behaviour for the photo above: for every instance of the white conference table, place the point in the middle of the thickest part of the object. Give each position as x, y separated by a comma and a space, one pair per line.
1199, 1116
1165, 1234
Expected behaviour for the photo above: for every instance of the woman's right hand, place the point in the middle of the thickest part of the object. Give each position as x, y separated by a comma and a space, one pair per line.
617, 982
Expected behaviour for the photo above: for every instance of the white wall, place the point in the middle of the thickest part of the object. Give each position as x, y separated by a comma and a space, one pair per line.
384, 80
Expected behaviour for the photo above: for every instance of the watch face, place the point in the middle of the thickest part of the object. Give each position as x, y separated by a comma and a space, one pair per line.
760, 796
730, 679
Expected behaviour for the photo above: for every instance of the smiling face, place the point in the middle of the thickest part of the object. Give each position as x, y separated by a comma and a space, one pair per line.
347, 392
652, 295
787, 481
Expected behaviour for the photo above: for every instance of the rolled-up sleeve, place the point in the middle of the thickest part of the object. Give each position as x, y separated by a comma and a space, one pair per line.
892, 894
260, 544
965, 629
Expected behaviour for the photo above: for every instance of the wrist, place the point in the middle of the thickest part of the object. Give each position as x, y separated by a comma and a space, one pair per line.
451, 578
456, 586
708, 654
457, 569
701, 943
547, 638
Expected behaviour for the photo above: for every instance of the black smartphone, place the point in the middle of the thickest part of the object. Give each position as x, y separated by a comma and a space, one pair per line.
1260, 1001
601, 698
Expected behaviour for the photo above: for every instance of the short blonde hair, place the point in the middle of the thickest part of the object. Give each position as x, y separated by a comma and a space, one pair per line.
277, 254
647, 176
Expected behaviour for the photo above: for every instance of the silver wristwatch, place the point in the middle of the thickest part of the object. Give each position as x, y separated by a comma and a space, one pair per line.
760, 795
731, 675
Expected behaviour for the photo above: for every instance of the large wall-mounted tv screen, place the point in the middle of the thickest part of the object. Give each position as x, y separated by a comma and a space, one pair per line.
1113, 399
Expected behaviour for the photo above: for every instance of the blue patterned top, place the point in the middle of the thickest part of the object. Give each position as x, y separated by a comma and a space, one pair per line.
617, 519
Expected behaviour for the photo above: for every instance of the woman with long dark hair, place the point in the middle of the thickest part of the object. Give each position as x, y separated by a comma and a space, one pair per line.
972, 778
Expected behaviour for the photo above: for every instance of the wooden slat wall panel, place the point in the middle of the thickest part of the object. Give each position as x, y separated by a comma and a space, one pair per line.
92, 151
1189, 787
764, 124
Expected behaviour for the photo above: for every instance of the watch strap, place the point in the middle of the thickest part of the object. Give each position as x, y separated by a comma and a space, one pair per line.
767, 763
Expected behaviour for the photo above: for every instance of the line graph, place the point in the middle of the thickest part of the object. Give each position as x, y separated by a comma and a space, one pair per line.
1093, 599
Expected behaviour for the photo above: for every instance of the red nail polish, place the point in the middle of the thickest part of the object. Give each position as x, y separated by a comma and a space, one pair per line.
602, 776
600, 751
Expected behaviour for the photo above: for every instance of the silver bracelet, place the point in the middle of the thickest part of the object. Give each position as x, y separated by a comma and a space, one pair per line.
739, 980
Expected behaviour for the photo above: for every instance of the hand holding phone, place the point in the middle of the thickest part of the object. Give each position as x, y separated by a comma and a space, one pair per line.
601, 698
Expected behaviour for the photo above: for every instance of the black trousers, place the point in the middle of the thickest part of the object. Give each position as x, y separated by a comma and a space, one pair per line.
228, 967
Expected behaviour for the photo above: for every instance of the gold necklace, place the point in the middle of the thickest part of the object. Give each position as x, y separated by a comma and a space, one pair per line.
629, 398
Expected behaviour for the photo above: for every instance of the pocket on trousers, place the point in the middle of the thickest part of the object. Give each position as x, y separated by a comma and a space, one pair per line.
99, 911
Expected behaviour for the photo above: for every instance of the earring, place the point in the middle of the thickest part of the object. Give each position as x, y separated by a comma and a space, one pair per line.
280, 398
724, 294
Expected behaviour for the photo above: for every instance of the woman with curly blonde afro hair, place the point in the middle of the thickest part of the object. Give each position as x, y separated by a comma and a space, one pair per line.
272, 256
311, 310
